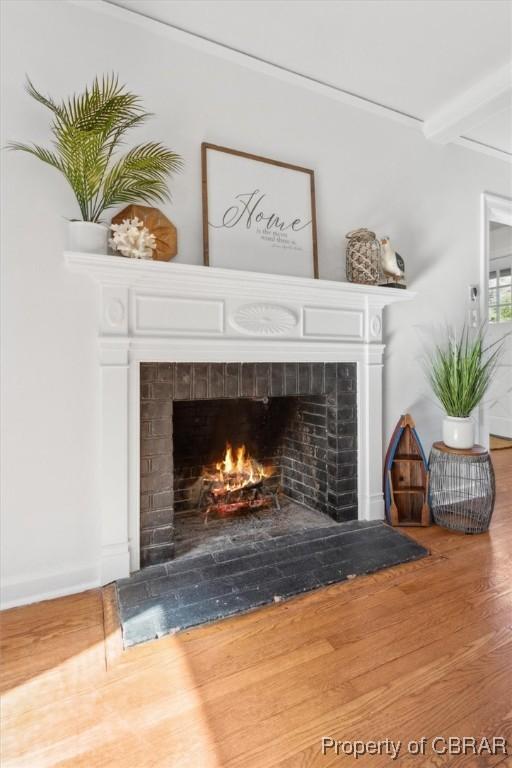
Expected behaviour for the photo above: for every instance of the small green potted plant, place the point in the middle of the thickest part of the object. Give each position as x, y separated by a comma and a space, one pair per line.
88, 130
460, 373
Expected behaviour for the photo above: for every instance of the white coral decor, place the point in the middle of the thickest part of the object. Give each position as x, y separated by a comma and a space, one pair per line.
132, 239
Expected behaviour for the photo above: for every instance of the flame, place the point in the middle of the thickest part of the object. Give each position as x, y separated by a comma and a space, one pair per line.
236, 470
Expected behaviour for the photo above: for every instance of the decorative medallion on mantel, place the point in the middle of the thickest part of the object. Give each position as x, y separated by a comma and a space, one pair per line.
264, 319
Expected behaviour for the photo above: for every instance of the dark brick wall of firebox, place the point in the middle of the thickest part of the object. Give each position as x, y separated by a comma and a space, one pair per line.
299, 417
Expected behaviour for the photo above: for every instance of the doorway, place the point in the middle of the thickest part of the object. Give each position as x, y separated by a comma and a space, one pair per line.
496, 308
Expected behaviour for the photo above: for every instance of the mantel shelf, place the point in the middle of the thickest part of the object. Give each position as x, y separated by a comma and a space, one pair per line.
118, 270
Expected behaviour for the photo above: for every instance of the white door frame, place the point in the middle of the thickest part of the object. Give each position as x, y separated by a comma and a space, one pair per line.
498, 209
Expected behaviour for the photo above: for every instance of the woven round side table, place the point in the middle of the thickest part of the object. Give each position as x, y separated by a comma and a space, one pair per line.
462, 488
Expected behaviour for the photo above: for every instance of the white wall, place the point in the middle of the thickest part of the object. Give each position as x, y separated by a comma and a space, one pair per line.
370, 171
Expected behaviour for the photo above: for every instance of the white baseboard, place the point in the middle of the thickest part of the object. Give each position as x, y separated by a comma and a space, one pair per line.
373, 507
46, 586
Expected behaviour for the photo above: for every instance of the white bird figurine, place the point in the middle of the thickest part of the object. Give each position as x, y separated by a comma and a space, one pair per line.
390, 260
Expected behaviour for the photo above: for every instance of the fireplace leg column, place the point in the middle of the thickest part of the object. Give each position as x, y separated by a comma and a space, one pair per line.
114, 561
370, 436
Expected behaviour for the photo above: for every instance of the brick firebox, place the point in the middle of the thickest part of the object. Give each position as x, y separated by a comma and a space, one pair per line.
315, 453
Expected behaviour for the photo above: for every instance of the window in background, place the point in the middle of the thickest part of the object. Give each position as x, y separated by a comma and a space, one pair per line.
500, 295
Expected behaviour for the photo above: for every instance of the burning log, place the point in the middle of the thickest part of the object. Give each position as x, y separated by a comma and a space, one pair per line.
223, 503
237, 485
219, 490
223, 509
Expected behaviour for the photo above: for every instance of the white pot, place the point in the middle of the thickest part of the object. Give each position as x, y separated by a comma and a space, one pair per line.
458, 433
87, 237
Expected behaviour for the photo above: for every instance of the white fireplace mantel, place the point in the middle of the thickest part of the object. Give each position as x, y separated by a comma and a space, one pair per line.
168, 312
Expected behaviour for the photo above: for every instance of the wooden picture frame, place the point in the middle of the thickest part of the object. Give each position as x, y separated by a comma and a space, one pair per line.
281, 238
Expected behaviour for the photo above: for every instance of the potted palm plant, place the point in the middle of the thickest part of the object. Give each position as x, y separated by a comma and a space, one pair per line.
460, 372
88, 130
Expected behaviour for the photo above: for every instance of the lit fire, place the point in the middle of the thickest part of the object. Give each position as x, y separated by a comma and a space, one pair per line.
237, 470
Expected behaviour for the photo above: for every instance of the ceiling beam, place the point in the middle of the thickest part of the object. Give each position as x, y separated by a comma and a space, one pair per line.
484, 99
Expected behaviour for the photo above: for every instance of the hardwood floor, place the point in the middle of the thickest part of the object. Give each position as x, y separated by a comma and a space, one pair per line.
423, 649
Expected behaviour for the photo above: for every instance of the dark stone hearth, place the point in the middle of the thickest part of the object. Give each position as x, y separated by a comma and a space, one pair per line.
194, 590
193, 537
301, 418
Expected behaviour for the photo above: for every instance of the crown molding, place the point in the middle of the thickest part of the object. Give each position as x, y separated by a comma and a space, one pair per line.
247, 60
484, 149
271, 69
474, 106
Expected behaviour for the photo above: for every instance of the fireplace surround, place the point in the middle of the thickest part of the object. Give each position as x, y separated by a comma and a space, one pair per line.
298, 419
151, 312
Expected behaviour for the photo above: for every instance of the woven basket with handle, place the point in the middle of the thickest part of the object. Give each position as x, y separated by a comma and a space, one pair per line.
363, 257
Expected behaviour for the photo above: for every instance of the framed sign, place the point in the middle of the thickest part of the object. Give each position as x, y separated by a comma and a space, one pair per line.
258, 214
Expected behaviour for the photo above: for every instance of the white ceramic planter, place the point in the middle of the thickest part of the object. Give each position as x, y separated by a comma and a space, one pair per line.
458, 433
87, 237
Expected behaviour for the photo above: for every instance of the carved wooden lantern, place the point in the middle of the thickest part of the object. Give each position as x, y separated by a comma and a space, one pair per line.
159, 225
